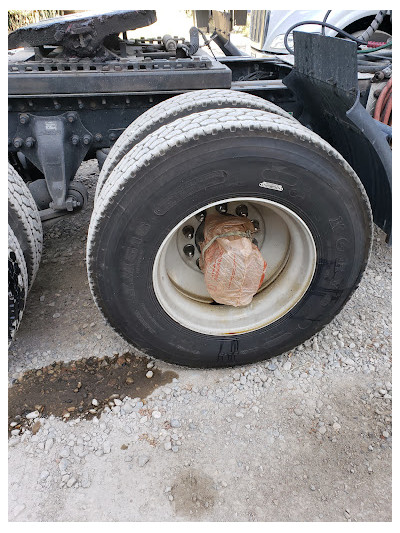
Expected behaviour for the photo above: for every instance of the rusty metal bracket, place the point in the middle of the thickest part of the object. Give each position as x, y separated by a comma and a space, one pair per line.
56, 145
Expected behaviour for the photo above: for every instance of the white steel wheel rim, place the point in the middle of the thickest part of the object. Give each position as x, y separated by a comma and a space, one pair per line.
287, 246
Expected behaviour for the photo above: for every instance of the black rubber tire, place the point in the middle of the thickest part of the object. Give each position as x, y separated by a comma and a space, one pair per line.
17, 284
200, 159
24, 219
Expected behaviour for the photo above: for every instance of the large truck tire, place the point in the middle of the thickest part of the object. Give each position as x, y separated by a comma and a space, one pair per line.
174, 108
315, 235
24, 219
17, 284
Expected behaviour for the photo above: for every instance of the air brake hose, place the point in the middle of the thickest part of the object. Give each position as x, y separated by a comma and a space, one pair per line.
320, 23
325, 19
370, 50
388, 110
370, 68
381, 99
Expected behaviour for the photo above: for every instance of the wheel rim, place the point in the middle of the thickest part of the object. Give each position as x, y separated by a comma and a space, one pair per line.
284, 241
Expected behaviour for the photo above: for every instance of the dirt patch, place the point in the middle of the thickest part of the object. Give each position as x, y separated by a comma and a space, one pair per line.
194, 494
82, 388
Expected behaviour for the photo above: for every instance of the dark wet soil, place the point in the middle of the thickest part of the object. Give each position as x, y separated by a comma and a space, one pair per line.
67, 389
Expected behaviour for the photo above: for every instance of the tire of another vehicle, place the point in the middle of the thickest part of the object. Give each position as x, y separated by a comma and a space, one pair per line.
208, 157
17, 284
174, 108
24, 219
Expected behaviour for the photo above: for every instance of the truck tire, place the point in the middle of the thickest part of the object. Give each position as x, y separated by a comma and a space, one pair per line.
24, 219
315, 224
17, 284
174, 108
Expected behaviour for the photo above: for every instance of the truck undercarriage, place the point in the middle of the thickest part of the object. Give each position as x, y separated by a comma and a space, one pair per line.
76, 85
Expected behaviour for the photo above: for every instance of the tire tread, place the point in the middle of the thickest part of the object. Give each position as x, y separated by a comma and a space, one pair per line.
25, 221
14, 246
174, 108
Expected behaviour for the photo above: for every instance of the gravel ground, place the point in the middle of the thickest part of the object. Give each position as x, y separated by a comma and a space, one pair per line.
305, 436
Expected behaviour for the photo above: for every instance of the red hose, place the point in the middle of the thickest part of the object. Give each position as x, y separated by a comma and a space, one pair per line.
385, 101
379, 103
375, 44
383, 112
388, 111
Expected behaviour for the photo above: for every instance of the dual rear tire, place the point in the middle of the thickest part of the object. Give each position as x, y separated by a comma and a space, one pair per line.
312, 207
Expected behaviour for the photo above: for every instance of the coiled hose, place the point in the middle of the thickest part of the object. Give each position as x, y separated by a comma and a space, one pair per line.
367, 34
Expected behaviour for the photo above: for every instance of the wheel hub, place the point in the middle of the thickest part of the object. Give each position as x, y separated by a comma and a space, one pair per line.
284, 241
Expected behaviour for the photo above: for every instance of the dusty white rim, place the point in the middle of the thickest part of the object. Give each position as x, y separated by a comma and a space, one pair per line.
284, 241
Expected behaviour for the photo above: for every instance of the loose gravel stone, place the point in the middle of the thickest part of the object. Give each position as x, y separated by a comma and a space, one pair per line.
48, 444
64, 452
44, 474
64, 465
107, 447
32, 415
71, 482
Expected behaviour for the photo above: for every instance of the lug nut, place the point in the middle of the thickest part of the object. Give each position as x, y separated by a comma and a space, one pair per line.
24, 118
98, 137
75, 140
71, 117
18, 142
188, 250
188, 232
242, 210
256, 225
30, 141
201, 216
221, 208
87, 139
